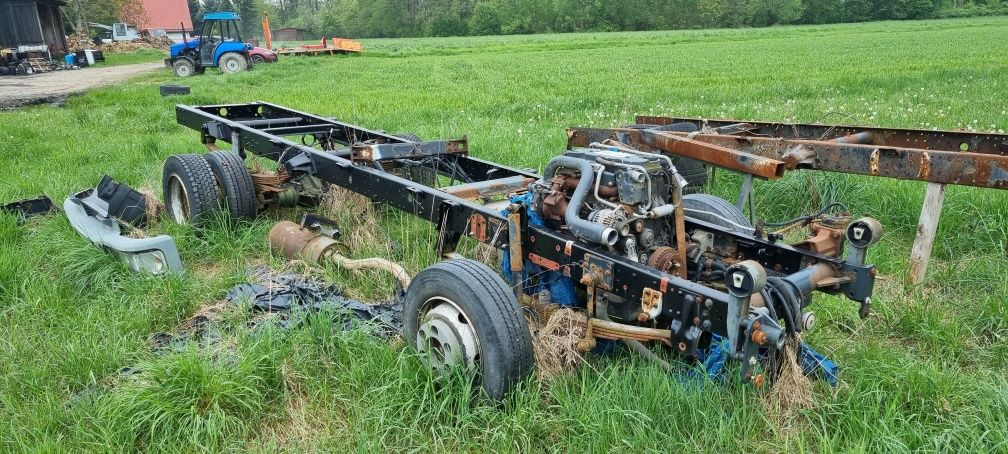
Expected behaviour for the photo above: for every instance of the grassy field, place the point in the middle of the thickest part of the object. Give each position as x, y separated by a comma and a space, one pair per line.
926, 372
128, 58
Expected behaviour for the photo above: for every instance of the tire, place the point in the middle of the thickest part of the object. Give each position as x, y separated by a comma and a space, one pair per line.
235, 183
232, 62
694, 172
717, 211
183, 67
258, 60
408, 136
190, 189
469, 301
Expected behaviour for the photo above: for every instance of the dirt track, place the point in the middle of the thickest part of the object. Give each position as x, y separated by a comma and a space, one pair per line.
54, 87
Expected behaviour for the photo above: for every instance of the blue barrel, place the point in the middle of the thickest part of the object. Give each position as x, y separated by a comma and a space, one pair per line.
70, 59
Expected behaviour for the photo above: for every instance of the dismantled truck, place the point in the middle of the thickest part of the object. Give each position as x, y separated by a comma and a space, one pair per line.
605, 227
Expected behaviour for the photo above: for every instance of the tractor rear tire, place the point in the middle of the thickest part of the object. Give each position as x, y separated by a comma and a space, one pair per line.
461, 313
235, 183
232, 62
183, 67
190, 189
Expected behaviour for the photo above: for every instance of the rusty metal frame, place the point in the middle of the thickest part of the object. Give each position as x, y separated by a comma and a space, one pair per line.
767, 150
685, 306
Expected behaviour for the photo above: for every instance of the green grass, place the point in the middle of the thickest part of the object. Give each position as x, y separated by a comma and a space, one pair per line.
129, 58
926, 372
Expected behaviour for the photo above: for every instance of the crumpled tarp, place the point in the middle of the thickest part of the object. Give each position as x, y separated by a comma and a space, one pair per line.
813, 364
561, 288
290, 292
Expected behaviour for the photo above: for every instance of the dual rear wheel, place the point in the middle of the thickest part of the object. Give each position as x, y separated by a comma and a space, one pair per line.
197, 186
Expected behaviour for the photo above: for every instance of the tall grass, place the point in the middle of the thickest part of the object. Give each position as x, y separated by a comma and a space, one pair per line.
926, 372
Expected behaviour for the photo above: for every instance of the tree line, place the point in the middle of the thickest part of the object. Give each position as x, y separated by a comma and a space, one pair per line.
409, 18
406, 18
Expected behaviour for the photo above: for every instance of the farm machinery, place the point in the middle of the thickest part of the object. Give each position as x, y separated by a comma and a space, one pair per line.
218, 45
606, 228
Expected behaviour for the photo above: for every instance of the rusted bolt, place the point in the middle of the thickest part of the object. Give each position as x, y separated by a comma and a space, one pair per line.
759, 337
682, 346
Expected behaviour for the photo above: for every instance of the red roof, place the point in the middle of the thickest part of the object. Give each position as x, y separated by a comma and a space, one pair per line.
167, 14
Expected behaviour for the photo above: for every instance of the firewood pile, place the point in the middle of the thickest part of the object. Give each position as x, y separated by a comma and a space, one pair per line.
80, 42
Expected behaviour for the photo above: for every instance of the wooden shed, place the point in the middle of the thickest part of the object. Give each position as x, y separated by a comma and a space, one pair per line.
289, 34
32, 26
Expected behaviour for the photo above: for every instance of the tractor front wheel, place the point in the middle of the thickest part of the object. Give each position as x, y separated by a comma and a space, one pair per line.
232, 62
183, 67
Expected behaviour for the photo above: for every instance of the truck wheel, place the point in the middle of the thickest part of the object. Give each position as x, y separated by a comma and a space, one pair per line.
235, 183
694, 172
232, 62
190, 189
183, 67
717, 211
460, 312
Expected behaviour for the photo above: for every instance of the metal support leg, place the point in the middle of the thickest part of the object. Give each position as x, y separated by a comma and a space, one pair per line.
744, 192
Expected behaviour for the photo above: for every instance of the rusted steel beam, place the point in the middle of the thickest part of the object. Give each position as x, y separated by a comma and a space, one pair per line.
489, 188
682, 144
727, 158
984, 143
845, 154
935, 166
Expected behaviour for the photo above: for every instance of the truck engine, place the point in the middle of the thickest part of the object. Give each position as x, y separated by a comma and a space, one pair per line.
630, 202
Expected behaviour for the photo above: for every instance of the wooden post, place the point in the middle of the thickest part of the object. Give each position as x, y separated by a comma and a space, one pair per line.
934, 198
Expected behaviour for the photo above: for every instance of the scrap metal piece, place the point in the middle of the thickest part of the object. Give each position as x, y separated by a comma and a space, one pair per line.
170, 89
29, 208
295, 242
155, 255
116, 200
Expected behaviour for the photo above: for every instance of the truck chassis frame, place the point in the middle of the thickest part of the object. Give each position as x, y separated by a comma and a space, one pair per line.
365, 161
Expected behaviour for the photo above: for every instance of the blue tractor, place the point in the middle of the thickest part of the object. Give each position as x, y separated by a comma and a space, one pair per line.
219, 44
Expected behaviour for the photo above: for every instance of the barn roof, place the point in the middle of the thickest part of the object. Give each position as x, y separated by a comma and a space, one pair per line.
167, 14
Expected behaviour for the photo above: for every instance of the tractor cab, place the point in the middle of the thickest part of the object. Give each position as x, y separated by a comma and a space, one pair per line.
218, 44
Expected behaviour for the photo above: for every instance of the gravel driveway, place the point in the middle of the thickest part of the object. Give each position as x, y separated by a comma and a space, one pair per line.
54, 87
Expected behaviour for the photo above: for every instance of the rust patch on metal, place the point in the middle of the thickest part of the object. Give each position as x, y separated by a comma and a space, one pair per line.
478, 227
665, 259
543, 262
825, 239
924, 171
650, 299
